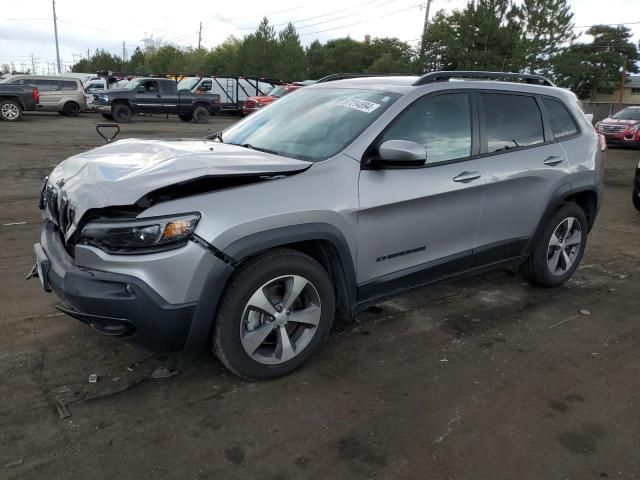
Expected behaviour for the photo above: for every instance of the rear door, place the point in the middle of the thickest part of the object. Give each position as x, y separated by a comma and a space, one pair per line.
50, 93
170, 97
525, 166
148, 98
419, 224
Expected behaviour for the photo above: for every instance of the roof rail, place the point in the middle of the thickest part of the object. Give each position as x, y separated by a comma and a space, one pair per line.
343, 76
500, 76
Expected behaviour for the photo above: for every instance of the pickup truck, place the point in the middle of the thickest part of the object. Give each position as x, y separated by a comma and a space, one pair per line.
15, 99
155, 95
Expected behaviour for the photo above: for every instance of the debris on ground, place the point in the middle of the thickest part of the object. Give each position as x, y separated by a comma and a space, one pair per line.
444, 360
14, 463
63, 411
163, 372
585, 312
14, 223
93, 378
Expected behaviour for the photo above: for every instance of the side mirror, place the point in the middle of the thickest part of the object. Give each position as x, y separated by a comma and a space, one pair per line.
401, 153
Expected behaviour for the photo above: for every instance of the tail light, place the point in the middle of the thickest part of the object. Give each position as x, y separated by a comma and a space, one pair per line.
36, 95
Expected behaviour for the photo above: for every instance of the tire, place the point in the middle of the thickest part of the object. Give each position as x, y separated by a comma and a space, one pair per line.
186, 118
107, 116
538, 267
10, 111
121, 113
71, 109
275, 273
636, 199
200, 114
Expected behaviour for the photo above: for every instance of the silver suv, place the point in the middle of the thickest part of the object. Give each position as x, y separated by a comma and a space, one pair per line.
335, 197
57, 94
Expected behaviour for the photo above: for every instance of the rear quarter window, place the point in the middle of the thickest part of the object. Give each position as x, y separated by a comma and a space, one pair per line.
68, 85
562, 123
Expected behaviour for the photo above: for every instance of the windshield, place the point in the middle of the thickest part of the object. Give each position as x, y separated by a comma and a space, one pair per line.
628, 114
187, 84
132, 85
311, 124
278, 91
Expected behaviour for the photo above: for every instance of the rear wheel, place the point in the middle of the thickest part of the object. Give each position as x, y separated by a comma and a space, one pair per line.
122, 113
107, 116
636, 199
186, 117
71, 109
200, 114
10, 111
276, 312
559, 249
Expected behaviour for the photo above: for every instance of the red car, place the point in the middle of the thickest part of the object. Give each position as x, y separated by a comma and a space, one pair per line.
623, 128
251, 104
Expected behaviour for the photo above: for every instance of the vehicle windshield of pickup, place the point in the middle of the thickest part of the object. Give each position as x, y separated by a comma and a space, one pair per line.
629, 113
187, 84
326, 121
278, 91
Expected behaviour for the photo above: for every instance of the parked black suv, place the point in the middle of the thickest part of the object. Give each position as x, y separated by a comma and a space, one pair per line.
14, 99
155, 95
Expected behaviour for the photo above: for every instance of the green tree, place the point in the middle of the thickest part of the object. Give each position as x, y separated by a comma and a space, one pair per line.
588, 68
136, 62
315, 59
258, 53
389, 55
167, 59
225, 58
548, 24
291, 57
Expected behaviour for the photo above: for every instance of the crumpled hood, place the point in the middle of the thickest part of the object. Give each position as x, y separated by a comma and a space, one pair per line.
122, 172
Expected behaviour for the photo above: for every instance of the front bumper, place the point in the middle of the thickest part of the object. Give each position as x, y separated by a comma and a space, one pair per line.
618, 139
102, 108
125, 306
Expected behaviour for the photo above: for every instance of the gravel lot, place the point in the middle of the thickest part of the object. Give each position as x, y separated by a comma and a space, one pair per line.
488, 378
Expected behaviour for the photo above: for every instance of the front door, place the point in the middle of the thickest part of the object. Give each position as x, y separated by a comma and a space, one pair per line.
418, 224
148, 98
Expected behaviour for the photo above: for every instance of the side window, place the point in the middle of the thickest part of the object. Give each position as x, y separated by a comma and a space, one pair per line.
68, 85
205, 86
151, 86
18, 82
48, 85
562, 123
441, 123
511, 121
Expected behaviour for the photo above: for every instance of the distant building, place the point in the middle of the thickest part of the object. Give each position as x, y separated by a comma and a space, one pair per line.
631, 93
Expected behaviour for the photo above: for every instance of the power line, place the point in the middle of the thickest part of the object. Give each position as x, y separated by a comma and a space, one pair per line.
342, 16
362, 21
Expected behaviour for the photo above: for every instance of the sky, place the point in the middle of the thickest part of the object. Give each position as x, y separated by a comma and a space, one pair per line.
26, 27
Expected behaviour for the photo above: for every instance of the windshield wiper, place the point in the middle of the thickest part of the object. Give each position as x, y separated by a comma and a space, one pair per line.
259, 149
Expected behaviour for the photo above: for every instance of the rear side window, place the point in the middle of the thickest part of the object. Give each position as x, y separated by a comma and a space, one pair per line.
47, 85
511, 121
68, 85
562, 122
17, 82
441, 123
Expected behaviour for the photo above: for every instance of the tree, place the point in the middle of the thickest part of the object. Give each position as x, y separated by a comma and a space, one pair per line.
225, 58
548, 24
389, 55
291, 57
588, 68
485, 35
167, 59
258, 53
315, 59
136, 62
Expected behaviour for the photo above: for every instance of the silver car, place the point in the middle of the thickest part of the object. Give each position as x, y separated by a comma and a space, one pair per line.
332, 199
57, 94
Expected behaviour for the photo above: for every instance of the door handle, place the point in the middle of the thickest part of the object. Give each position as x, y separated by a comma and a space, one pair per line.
158, 95
554, 160
466, 177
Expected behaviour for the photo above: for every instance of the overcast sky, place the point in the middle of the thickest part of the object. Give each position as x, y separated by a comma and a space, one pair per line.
26, 27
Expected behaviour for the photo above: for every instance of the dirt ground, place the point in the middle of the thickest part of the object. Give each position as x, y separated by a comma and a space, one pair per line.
488, 378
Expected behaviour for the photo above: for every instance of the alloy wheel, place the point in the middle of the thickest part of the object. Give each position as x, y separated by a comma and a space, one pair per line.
10, 111
564, 246
280, 319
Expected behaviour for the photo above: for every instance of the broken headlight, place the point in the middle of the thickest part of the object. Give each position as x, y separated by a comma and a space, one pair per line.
140, 235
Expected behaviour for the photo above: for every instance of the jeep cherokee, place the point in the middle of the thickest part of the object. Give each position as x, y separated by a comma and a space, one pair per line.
252, 241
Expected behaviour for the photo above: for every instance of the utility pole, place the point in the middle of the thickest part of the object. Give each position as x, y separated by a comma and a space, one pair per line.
200, 36
33, 65
88, 55
623, 80
124, 54
423, 44
55, 29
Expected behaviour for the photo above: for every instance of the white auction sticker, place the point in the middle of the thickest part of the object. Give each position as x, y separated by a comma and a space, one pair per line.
360, 105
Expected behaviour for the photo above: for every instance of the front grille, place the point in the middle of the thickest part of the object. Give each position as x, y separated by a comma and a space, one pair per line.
612, 128
249, 104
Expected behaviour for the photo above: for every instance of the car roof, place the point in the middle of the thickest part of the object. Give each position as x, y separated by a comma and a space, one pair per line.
46, 77
405, 83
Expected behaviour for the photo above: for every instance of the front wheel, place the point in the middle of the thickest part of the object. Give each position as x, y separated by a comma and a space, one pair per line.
559, 249
10, 111
276, 312
636, 199
122, 113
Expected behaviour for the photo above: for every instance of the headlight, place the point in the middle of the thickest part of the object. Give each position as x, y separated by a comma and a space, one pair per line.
140, 236
103, 98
